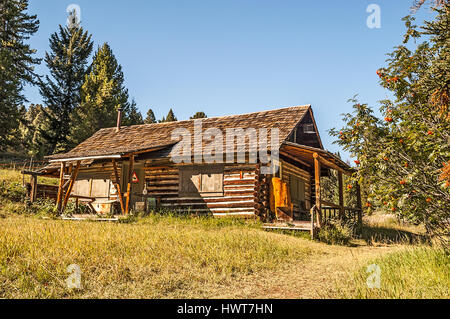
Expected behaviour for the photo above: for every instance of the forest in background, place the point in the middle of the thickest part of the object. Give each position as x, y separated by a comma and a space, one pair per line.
81, 93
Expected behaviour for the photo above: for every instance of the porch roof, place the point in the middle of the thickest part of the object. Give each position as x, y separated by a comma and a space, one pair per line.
306, 155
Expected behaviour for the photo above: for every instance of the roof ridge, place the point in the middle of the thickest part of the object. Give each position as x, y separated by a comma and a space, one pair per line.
213, 118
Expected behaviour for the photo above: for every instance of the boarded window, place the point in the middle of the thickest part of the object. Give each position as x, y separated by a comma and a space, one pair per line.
96, 185
100, 188
82, 187
297, 188
298, 196
308, 128
201, 180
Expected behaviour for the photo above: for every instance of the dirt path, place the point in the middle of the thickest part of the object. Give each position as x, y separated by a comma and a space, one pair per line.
317, 277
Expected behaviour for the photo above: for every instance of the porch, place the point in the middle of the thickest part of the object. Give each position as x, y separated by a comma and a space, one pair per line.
318, 162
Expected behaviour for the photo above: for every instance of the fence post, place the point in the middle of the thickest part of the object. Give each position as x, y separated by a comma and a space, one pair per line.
359, 206
313, 210
33, 192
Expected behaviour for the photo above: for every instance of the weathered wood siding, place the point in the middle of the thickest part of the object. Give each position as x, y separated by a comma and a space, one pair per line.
162, 180
240, 195
87, 184
289, 169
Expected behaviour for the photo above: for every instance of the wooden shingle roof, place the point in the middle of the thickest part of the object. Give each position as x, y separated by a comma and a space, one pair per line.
139, 138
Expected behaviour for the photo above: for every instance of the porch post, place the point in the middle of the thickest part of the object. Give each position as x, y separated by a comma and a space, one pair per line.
359, 206
130, 176
318, 191
60, 187
33, 192
341, 196
73, 178
117, 184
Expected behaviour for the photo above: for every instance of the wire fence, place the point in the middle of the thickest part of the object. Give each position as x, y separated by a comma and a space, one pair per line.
29, 165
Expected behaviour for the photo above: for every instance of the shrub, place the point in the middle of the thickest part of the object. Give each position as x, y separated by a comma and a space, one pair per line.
336, 233
403, 158
12, 191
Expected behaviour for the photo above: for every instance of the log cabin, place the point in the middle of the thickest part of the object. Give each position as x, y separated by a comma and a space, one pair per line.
135, 168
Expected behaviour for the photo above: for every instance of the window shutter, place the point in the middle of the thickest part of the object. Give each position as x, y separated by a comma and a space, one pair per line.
212, 180
195, 180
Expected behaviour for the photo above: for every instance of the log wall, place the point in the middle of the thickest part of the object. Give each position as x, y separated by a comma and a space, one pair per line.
245, 190
162, 180
98, 170
289, 169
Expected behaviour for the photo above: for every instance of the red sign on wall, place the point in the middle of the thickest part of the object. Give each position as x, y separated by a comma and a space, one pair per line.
134, 178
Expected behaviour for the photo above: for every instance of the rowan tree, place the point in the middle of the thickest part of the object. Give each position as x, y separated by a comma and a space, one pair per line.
404, 155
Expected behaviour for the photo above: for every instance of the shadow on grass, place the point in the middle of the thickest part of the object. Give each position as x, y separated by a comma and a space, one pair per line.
379, 234
294, 233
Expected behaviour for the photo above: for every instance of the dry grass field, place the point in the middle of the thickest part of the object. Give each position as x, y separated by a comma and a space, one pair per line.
199, 257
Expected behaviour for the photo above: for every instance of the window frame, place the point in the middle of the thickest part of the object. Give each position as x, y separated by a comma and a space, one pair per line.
201, 170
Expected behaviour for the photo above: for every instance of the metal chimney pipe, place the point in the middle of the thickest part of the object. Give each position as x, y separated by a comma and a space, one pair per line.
119, 118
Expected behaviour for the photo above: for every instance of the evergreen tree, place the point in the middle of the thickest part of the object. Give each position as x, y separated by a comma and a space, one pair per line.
102, 93
16, 65
150, 119
33, 124
132, 115
169, 118
198, 115
67, 62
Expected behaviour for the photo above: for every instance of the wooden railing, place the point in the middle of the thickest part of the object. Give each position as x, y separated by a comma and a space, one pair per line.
330, 211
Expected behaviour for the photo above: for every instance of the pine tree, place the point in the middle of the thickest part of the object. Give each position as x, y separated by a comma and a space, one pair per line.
102, 93
150, 119
169, 118
198, 115
132, 115
67, 62
16, 65
33, 124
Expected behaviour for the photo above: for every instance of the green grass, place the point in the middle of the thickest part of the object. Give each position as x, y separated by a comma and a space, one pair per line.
182, 256
413, 273
10, 175
386, 228
154, 258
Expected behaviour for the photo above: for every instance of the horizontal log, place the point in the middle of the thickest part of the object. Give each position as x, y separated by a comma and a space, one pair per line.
158, 167
238, 175
157, 193
208, 199
224, 206
162, 183
238, 193
232, 210
162, 188
162, 176
231, 184
230, 205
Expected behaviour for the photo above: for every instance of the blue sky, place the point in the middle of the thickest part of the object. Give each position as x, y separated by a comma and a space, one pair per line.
237, 56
